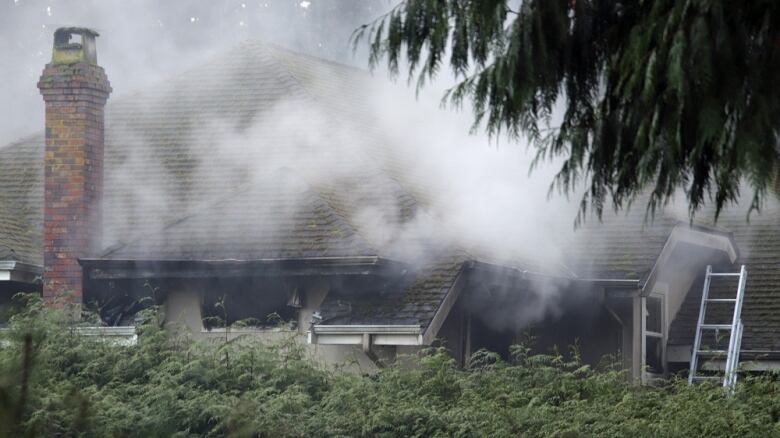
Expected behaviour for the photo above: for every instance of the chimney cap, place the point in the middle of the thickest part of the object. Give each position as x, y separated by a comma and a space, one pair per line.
77, 30
68, 52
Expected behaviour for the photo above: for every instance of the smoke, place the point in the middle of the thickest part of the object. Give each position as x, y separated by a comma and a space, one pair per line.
144, 41
475, 192
484, 195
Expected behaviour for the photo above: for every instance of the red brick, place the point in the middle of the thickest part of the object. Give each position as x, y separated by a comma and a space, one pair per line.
75, 97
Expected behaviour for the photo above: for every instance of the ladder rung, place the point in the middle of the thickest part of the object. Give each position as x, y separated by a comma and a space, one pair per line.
712, 352
731, 355
716, 326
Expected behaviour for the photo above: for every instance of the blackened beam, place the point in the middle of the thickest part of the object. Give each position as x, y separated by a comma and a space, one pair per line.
98, 269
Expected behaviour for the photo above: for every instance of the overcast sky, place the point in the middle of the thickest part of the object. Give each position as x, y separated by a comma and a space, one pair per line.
143, 41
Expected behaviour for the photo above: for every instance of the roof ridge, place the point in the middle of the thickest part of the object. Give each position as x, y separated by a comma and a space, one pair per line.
27, 138
342, 220
294, 78
308, 56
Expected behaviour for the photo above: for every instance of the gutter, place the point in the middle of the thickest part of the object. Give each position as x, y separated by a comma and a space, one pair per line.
374, 329
20, 272
365, 335
119, 335
101, 269
609, 282
522, 273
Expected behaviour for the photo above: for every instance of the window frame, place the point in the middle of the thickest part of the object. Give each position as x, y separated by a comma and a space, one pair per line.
661, 336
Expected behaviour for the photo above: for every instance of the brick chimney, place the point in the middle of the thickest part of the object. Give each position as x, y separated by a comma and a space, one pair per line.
75, 90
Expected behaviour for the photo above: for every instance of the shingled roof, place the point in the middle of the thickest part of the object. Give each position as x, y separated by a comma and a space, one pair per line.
21, 201
623, 245
759, 244
260, 153
626, 245
264, 153
247, 151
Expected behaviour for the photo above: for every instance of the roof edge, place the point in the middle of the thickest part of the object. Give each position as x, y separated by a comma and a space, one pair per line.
367, 328
509, 270
12, 270
675, 236
107, 269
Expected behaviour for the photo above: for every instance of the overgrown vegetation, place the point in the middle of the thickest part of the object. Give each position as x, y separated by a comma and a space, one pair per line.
635, 96
57, 382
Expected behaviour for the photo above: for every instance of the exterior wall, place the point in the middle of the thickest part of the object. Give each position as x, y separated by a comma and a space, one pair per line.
637, 344
75, 95
677, 288
313, 298
673, 283
453, 335
183, 312
679, 266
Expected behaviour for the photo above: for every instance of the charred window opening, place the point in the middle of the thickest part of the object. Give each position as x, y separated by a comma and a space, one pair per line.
119, 303
250, 302
546, 316
654, 315
9, 302
654, 355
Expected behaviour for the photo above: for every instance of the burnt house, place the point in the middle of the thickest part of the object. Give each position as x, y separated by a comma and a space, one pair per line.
255, 189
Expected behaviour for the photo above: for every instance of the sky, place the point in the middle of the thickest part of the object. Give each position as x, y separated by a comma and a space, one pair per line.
143, 41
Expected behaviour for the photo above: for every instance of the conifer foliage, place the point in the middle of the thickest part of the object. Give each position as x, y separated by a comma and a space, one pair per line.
56, 381
656, 95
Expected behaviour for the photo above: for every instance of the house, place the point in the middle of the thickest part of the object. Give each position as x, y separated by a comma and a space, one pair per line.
254, 188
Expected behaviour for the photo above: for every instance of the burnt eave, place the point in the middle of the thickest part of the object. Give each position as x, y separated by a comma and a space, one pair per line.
102, 269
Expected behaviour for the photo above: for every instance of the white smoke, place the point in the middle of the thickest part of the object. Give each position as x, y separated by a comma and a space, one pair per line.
477, 193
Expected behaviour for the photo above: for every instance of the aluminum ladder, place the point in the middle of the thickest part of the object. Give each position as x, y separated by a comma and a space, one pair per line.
735, 328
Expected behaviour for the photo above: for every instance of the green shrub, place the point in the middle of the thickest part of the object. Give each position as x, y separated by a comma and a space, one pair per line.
173, 386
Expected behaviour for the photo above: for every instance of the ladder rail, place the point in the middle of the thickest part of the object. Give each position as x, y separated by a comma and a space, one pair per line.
697, 340
730, 380
735, 329
736, 333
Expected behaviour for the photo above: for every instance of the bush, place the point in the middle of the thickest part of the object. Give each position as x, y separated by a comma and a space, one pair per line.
55, 382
